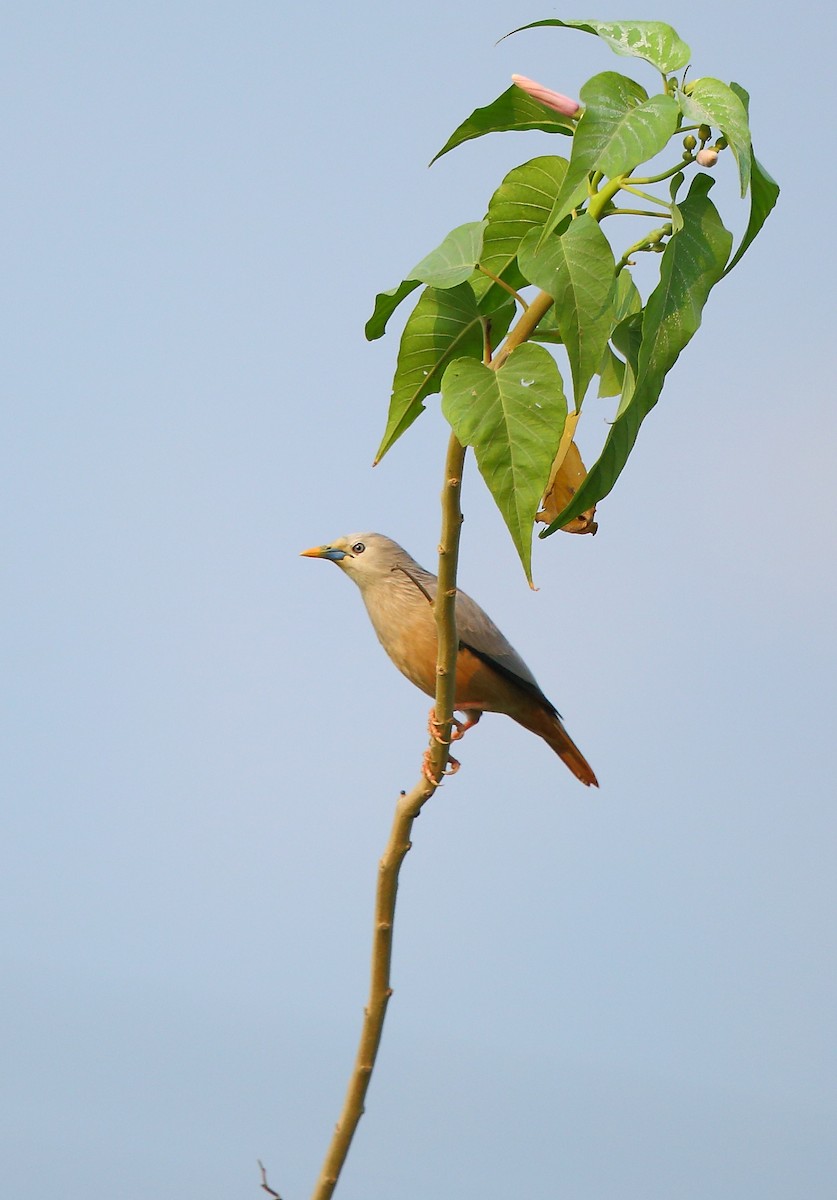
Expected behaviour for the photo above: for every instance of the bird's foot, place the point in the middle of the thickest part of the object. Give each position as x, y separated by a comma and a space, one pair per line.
434, 728
462, 727
459, 728
427, 771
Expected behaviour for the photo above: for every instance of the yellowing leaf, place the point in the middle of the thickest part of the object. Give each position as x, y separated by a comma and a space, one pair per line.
565, 478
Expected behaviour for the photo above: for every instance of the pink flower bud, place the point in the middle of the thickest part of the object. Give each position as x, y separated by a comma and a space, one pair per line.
561, 104
707, 157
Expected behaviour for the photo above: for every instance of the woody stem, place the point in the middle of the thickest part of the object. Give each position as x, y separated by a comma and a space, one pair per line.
407, 808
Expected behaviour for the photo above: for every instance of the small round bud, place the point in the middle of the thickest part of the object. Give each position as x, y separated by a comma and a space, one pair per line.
704, 133
721, 143
690, 141
706, 157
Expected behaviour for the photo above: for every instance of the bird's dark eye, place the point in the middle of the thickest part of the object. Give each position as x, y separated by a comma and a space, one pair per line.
358, 548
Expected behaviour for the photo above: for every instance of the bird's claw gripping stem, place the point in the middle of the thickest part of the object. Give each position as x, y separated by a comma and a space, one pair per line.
452, 767
458, 730
434, 728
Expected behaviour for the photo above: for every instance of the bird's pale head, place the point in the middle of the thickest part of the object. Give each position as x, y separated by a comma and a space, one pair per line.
365, 557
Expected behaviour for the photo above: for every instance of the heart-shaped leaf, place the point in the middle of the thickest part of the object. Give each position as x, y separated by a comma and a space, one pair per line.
445, 324
513, 417
653, 41
620, 128
522, 202
577, 269
453, 261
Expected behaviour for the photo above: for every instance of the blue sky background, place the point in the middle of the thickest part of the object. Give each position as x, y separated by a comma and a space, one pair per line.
629, 994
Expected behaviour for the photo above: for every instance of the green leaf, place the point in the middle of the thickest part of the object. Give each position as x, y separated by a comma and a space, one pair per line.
450, 263
514, 109
691, 265
577, 269
513, 417
743, 95
653, 41
611, 374
454, 260
523, 201
764, 192
702, 184
711, 102
674, 188
619, 129
629, 126
385, 305
627, 299
627, 338
445, 324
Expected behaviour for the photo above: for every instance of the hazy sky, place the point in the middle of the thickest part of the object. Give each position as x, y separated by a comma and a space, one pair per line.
628, 995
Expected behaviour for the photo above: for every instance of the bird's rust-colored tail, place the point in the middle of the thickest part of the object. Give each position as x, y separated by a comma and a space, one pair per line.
549, 727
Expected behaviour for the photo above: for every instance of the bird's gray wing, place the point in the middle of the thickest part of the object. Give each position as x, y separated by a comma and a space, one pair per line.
478, 632
481, 636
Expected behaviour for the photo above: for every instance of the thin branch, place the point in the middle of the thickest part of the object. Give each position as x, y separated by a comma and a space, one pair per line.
524, 328
631, 212
646, 196
445, 606
502, 283
651, 241
410, 804
686, 161
264, 1184
407, 808
604, 196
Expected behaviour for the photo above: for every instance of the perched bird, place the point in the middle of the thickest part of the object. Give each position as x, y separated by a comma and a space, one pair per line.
490, 675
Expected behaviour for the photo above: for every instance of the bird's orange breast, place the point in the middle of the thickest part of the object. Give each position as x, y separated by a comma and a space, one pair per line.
407, 631
478, 686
